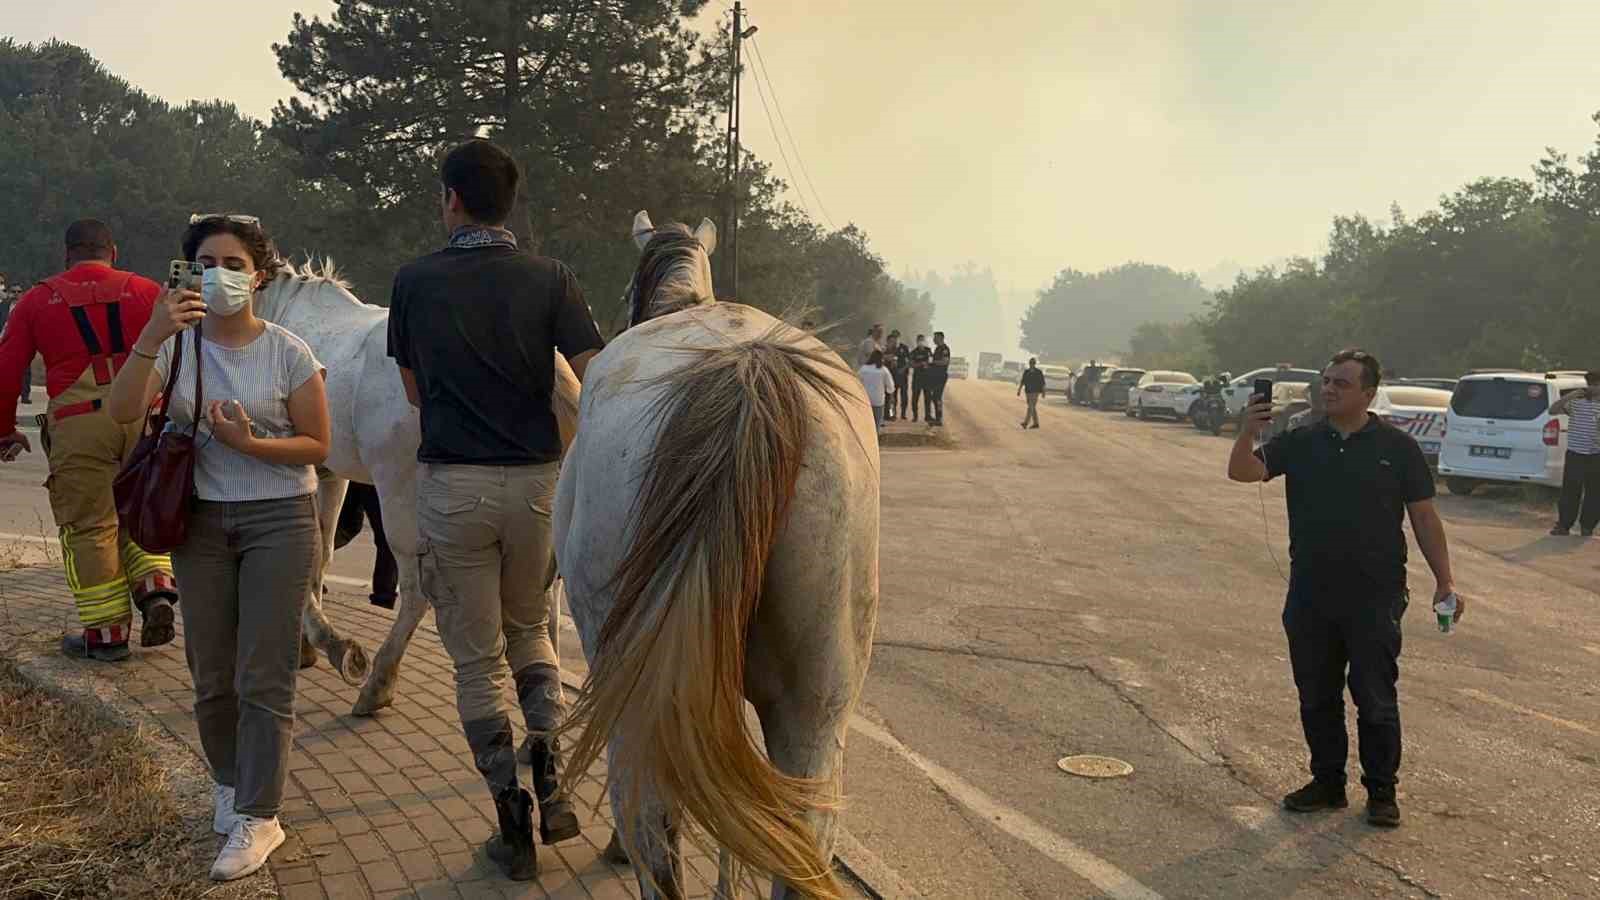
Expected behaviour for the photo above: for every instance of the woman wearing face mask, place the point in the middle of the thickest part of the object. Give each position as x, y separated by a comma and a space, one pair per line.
253, 541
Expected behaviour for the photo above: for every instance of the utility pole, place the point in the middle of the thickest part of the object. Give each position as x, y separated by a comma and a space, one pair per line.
731, 241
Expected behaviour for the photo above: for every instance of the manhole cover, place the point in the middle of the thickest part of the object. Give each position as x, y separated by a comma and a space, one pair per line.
1095, 767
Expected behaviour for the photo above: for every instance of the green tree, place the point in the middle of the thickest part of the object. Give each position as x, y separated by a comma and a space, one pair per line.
1083, 314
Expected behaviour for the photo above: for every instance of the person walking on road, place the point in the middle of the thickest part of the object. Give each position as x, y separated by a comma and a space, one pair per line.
81, 321
1352, 480
938, 377
1033, 383
253, 545
878, 383
920, 358
475, 328
1580, 482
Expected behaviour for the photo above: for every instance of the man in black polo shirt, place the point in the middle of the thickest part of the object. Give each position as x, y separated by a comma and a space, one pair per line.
920, 357
938, 377
474, 329
1352, 480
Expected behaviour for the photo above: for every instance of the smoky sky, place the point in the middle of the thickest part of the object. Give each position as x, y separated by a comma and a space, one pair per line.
1039, 134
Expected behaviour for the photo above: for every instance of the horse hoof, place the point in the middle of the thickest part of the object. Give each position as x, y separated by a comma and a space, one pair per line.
614, 853
371, 701
351, 662
308, 654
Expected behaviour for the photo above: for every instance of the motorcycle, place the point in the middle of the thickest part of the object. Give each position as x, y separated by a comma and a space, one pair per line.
1210, 411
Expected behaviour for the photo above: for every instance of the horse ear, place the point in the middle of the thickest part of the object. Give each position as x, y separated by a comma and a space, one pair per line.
643, 230
706, 234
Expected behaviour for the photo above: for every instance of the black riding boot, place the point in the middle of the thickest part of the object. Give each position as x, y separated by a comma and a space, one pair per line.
557, 819
512, 849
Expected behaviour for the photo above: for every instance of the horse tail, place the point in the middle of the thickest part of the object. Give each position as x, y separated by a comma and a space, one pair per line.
669, 675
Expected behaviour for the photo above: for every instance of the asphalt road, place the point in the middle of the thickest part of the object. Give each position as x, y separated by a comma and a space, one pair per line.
1098, 587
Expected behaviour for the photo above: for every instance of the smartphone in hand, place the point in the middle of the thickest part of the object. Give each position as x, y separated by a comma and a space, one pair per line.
185, 275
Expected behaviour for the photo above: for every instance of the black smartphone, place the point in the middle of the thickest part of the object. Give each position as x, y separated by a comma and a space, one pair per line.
1261, 391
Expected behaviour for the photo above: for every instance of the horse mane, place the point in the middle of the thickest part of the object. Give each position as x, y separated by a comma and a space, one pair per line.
315, 269
674, 273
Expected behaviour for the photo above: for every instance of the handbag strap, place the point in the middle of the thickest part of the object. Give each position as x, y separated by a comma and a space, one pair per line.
172, 380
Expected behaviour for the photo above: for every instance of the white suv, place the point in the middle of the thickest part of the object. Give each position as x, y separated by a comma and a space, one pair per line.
1499, 428
1238, 390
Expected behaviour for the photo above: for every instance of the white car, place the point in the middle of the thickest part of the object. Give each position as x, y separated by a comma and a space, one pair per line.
1184, 399
1237, 393
1418, 411
1056, 379
1499, 428
1158, 392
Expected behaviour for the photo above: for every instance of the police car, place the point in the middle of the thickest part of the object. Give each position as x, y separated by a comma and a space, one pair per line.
1418, 411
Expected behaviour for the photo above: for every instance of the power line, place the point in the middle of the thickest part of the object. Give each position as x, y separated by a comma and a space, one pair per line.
772, 125
766, 74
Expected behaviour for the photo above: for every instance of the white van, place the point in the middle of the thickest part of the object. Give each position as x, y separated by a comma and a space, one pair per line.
1499, 428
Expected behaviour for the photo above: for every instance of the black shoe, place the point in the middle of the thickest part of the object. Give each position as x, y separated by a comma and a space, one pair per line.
557, 820
1316, 796
1560, 531
157, 628
512, 849
77, 647
1383, 811
1036, 426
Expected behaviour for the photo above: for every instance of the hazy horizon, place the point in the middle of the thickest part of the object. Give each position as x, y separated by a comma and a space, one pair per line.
1040, 135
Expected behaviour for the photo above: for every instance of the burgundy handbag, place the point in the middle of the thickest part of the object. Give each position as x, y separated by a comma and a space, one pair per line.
155, 487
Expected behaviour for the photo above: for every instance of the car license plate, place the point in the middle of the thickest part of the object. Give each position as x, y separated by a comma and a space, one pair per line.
1491, 452
1430, 446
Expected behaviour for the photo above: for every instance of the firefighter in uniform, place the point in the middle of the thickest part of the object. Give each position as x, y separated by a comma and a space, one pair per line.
84, 321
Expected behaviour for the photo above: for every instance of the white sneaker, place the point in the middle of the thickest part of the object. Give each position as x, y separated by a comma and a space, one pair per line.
222, 815
249, 844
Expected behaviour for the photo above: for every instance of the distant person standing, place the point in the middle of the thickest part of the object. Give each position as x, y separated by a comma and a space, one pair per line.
921, 356
891, 353
900, 365
1033, 383
938, 377
877, 381
1580, 484
873, 343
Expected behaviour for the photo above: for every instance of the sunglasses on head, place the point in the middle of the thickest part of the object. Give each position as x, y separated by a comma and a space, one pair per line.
235, 218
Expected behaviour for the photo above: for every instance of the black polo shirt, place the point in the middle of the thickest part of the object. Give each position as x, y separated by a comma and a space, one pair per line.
479, 328
1347, 503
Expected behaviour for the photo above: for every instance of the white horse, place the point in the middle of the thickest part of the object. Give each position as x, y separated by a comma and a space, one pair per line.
716, 524
375, 433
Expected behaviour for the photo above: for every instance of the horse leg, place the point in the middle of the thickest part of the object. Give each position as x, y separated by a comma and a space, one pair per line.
651, 841
346, 656
378, 692
805, 733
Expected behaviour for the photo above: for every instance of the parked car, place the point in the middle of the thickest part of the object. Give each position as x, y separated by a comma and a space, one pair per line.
1111, 391
1499, 428
1056, 379
1238, 390
1418, 411
1441, 384
989, 365
1084, 383
958, 367
1157, 394
1184, 399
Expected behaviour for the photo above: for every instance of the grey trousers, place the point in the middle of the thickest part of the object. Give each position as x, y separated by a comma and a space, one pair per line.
1032, 417
486, 564
244, 572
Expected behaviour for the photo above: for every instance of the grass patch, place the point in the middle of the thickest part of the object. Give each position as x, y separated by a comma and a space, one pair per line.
85, 807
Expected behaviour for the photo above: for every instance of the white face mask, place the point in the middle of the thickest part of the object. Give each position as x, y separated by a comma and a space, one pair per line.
225, 291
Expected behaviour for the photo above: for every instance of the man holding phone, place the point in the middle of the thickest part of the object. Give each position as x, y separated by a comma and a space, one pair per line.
1352, 480
1580, 481
84, 322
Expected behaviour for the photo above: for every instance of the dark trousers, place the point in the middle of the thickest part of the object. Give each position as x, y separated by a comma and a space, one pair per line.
361, 501
899, 399
919, 387
935, 390
1580, 489
1337, 638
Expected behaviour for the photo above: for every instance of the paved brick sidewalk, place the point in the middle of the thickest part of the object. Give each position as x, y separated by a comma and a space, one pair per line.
387, 806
